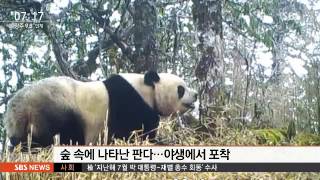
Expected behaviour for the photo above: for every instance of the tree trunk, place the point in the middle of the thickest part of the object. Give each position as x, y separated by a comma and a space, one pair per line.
145, 22
317, 91
208, 19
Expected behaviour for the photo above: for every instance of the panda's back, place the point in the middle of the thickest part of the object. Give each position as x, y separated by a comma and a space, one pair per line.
50, 92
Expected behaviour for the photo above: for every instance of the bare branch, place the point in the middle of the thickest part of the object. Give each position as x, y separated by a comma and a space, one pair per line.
59, 52
6, 99
126, 50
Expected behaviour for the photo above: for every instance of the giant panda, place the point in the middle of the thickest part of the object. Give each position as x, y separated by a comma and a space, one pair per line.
77, 110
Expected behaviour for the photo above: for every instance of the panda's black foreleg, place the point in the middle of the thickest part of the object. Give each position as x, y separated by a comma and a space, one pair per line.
151, 127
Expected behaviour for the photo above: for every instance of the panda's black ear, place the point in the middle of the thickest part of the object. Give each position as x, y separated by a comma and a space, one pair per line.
151, 77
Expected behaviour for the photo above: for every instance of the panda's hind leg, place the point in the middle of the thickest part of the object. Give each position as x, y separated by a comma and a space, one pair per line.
63, 121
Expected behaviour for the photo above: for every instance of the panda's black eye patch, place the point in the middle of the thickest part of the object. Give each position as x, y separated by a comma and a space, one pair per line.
181, 91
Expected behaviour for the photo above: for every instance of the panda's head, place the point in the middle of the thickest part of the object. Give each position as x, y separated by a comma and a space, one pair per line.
171, 93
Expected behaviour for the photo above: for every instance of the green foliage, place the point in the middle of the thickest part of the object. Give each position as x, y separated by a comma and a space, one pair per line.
255, 10
306, 139
271, 136
42, 69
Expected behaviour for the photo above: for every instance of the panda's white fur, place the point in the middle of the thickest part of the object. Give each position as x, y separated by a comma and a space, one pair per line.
88, 98
166, 95
48, 105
